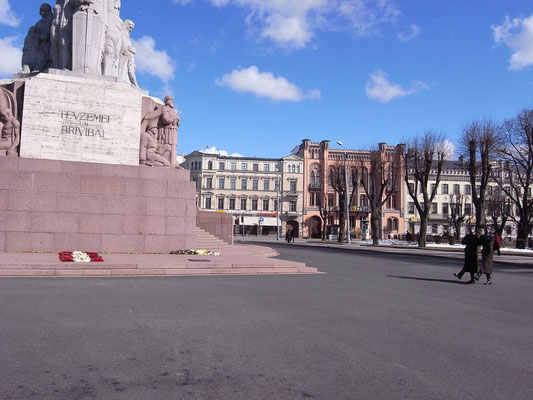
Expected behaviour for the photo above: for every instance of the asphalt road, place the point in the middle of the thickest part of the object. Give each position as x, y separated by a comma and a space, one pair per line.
375, 326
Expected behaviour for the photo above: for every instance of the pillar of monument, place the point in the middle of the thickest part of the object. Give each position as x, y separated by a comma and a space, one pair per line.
88, 38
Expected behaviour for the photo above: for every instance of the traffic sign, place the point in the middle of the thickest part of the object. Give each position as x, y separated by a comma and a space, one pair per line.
261, 219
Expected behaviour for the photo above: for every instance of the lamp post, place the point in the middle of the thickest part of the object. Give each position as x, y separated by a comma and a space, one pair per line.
277, 203
346, 194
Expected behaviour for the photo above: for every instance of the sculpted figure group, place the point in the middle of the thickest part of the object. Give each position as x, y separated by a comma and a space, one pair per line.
81, 35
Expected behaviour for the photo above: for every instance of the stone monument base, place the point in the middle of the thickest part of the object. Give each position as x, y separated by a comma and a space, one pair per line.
50, 206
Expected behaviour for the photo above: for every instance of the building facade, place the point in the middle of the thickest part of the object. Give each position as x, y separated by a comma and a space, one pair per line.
247, 187
318, 159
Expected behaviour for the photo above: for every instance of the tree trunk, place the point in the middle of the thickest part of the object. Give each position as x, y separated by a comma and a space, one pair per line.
423, 231
480, 216
374, 223
521, 236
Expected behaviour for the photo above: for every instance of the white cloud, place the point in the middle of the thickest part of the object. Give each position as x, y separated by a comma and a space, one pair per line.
7, 16
382, 90
293, 23
151, 61
414, 31
11, 56
448, 148
517, 34
214, 150
265, 84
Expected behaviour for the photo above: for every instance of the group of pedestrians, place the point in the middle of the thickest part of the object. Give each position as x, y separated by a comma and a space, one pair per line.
489, 242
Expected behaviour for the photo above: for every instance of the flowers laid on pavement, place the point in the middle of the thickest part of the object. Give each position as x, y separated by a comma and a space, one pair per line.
79, 256
193, 252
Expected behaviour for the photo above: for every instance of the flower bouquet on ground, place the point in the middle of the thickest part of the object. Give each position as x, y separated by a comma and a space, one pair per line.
195, 252
79, 256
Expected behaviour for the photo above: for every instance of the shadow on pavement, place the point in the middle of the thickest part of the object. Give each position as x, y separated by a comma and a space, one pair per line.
429, 279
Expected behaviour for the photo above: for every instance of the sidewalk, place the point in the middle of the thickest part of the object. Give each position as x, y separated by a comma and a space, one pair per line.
519, 260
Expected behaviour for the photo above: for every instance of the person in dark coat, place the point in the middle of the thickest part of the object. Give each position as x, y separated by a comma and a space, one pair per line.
288, 235
471, 242
487, 256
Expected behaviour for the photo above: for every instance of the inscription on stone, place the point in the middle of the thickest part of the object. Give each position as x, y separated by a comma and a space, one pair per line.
86, 123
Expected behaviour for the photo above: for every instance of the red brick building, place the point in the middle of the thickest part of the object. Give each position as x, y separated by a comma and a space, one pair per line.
319, 158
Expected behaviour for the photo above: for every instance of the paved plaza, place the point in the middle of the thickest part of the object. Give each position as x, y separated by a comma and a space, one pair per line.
373, 326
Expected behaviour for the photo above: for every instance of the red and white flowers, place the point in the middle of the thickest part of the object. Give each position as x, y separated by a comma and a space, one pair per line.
79, 256
200, 252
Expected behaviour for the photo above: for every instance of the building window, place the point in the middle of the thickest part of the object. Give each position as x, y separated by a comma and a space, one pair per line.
456, 189
277, 167
243, 204
312, 197
468, 189
209, 183
266, 167
276, 205
445, 209
434, 228
392, 224
221, 203
221, 165
210, 165
331, 200
293, 169
412, 186
292, 206
244, 166
266, 184
434, 208
208, 203
362, 200
255, 184
489, 190
221, 183
232, 204
445, 188
298, 169
255, 167
233, 166
391, 202
468, 209
432, 188
292, 185
233, 183
411, 208
528, 192
254, 204
266, 204
244, 184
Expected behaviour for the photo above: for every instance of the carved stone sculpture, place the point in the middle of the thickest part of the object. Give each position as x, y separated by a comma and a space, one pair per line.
10, 133
113, 40
127, 55
168, 127
61, 35
153, 153
36, 51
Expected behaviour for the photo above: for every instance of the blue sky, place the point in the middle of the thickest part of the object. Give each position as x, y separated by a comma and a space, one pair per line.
256, 76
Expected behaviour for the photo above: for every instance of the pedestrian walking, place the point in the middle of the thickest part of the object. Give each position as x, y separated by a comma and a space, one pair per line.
288, 235
471, 242
487, 256
497, 243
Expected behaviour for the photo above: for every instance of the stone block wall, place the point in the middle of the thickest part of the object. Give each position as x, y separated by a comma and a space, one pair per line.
217, 224
49, 205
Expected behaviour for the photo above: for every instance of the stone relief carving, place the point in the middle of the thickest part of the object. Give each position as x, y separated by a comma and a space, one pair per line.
159, 135
36, 51
85, 36
9, 124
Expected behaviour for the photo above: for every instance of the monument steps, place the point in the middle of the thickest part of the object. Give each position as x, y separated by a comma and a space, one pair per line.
205, 240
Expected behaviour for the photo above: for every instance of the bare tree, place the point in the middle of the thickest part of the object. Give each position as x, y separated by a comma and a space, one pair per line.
499, 208
457, 212
326, 208
478, 143
338, 183
515, 174
424, 163
380, 181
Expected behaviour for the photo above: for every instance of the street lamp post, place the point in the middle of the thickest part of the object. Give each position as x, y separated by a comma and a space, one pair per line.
347, 196
277, 204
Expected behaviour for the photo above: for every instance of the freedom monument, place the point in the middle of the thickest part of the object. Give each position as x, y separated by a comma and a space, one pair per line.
87, 158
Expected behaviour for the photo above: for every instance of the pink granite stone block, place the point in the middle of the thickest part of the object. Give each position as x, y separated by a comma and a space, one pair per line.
181, 190
9, 163
145, 187
146, 225
31, 201
79, 203
156, 206
16, 180
122, 243
190, 242
124, 171
191, 209
24, 241
2, 241
176, 207
123, 205
98, 184
4, 195
78, 241
181, 174
163, 244
157, 173
100, 223
54, 222
16, 221
175, 226
49, 182
39, 165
